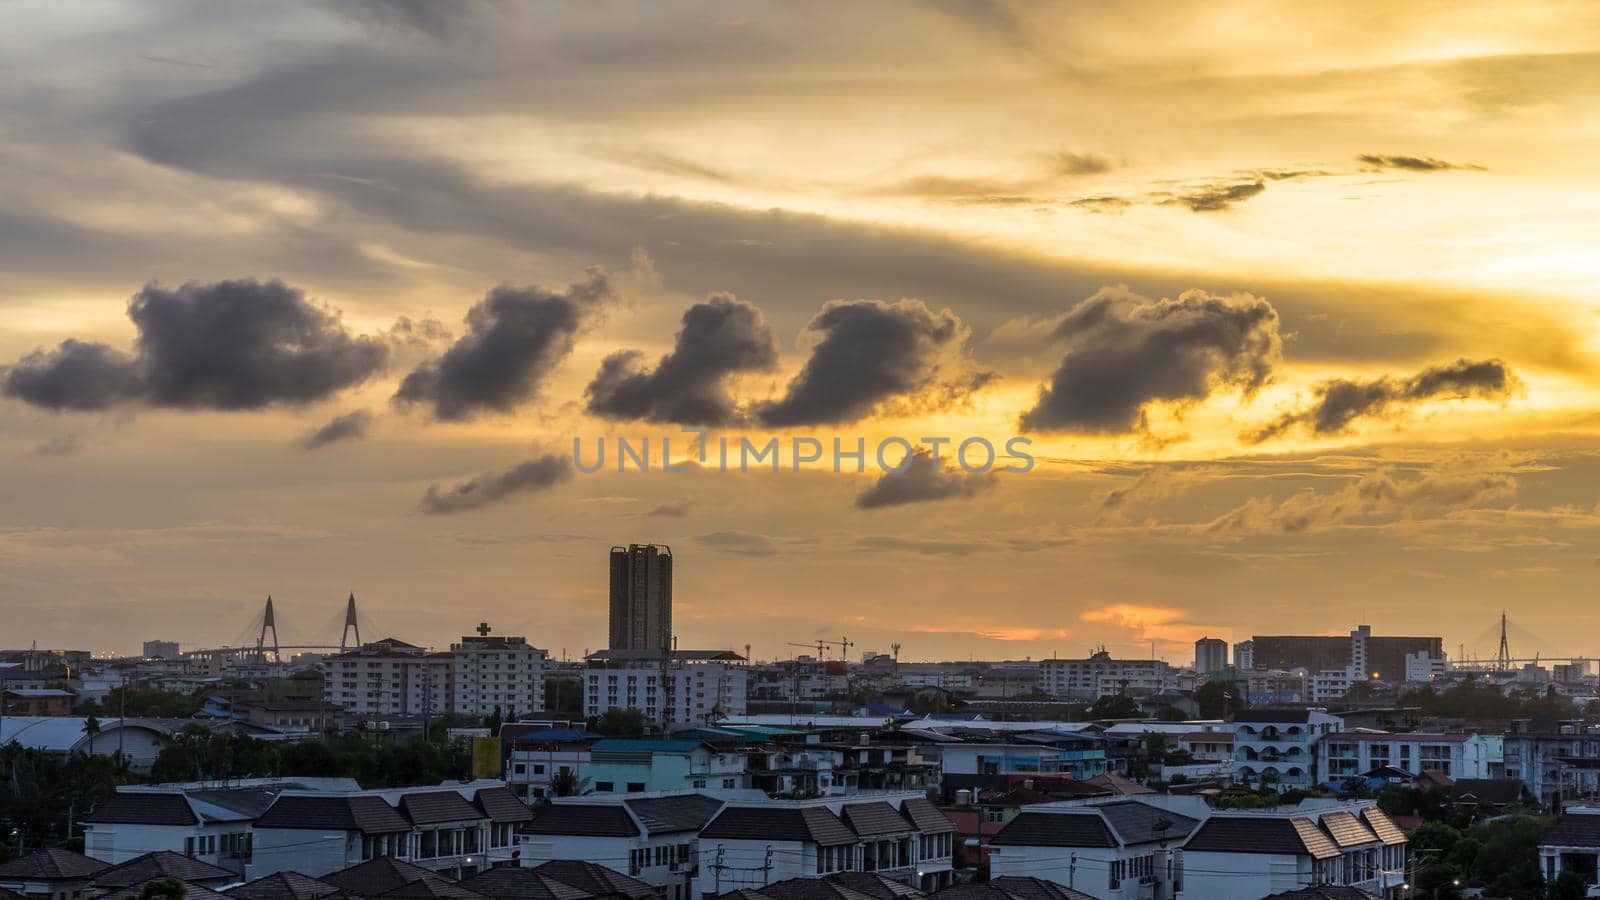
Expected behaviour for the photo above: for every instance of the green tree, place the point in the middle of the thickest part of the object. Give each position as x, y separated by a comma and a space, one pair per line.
1218, 700
1569, 886
91, 727
619, 723
564, 783
164, 889
1114, 706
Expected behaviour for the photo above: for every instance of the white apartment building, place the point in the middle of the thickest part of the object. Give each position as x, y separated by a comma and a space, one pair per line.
1278, 747
1422, 667
1351, 753
389, 678
685, 687
1210, 655
489, 673
1100, 676
1244, 656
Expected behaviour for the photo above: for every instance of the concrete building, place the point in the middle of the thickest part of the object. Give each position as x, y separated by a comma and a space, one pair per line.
1560, 766
621, 766
641, 598
161, 650
389, 678
1345, 754
1374, 657
1100, 675
496, 673
54, 873
680, 688
1278, 747
1210, 655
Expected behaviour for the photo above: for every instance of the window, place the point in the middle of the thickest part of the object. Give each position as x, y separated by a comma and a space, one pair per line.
728, 783
605, 787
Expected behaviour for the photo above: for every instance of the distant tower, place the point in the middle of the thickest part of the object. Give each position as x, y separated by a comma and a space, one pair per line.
1502, 659
350, 624
896, 648
1210, 655
267, 621
641, 598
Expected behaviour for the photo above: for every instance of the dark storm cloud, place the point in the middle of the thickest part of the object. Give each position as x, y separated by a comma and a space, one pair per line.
721, 337
1410, 163
921, 481
349, 427
437, 18
228, 345
537, 474
870, 352
515, 338
74, 376
1215, 197
1340, 401
1125, 351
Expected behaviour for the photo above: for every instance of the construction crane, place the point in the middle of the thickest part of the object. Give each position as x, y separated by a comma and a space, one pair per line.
844, 644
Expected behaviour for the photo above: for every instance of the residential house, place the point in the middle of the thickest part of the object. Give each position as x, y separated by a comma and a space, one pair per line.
978, 763
1114, 850
656, 834
538, 756
1256, 853
1572, 845
750, 844
52, 873
41, 701
1560, 765
141, 870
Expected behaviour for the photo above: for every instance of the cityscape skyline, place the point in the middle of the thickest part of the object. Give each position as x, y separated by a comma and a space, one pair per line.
1294, 311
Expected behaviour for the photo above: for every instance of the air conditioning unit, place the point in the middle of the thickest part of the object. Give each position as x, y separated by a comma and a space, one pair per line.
383, 726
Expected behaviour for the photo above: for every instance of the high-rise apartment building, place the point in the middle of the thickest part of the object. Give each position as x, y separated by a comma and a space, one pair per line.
1210, 655
641, 598
492, 672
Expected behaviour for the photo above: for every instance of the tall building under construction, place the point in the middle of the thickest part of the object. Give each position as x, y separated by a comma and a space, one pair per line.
641, 598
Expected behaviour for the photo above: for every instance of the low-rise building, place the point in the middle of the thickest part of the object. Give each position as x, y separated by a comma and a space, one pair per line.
680, 688
1346, 754
1115, 850
1572, 845
54, 873
658, 835
1559, 766
1278, 747
389, 678
1235, 854
623, 766
1101, 675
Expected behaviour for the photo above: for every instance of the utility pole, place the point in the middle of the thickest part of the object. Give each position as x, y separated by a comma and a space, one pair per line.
122, 717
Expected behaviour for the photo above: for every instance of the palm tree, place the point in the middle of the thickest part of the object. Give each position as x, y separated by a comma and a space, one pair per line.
91, 727
566, 783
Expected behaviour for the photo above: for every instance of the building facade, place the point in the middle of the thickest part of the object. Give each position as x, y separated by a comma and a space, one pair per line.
1279, 748
641, 598
389, 678
678, 688
492, 673
1210, 655
1100, 675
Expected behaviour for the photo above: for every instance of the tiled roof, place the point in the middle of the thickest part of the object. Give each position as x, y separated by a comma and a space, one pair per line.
190, 892
1261, 834
517, 883
665, 815
1011, 887
364, 813
1141, 823
51, 864
584, 819
813, 824
926, 816
1492, 791
811, 889
282, 886
1050, 829
160, 864
1116, 784
596, 879
876, 886
143, 808
433, 807
500, 805
377, 876
1382, 826
1346, 830
433, 887
1574, 830
868, 819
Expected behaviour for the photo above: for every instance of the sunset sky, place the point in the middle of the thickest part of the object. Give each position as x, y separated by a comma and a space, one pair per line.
1295, 303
